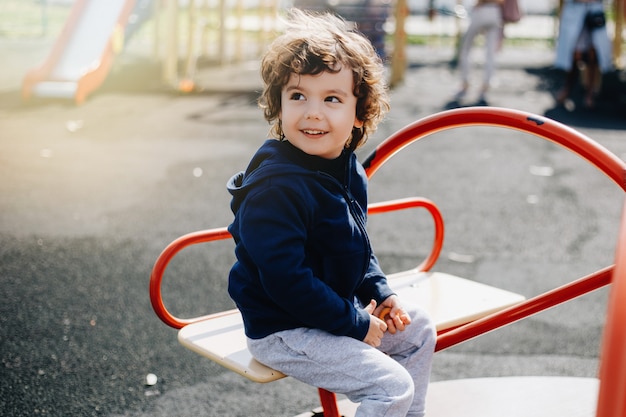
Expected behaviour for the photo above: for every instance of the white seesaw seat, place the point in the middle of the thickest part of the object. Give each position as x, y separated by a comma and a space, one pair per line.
519, 396
450, 300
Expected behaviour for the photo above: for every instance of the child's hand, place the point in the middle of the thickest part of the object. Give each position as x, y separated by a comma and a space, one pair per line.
377, 327
397, 318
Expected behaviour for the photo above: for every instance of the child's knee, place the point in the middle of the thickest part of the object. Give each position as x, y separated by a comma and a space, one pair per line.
430, 336
425, 327
402, 389
388, 394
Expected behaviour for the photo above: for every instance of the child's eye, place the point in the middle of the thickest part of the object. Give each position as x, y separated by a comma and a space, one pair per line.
333, 99
297, 96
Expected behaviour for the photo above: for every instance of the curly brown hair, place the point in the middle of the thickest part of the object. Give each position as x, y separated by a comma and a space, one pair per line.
313, 43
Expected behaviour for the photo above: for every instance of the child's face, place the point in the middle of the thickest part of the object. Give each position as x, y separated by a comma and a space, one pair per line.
318, 112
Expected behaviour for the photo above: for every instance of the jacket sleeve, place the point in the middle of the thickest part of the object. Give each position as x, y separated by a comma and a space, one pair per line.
374, 285
275, 236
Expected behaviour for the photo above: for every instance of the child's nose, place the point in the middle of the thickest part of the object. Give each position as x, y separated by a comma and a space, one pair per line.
313, 111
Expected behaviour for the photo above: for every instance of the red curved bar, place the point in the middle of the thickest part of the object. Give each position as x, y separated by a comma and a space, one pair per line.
612, 395
600, 157
525, 309
402, 204
540, 126
164, 259
204, 236
545, 128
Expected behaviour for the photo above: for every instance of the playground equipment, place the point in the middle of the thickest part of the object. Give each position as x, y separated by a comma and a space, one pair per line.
184, 33
83, 53
453, 300
187, 34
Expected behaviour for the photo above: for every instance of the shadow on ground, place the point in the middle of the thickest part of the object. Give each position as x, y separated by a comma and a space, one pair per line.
609, 112
610, 109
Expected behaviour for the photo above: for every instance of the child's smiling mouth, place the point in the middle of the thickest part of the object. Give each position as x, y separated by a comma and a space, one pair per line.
313, 132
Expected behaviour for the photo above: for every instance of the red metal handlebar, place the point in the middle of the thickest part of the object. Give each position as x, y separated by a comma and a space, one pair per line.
524, 309
600, 157
545, 128
204, 236
415, 202
159, 269
540, 126
612, 395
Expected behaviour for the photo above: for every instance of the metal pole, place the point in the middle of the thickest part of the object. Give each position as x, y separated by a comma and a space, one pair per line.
170, 64
398, 59
186, 84
221, 52
239, 36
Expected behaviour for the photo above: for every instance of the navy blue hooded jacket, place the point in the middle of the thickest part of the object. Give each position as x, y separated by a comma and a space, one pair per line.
303, 254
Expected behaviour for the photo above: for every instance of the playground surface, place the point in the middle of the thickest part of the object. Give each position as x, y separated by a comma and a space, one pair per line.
91, 194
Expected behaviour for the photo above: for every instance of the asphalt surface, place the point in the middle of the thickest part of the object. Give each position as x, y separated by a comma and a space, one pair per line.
92, 194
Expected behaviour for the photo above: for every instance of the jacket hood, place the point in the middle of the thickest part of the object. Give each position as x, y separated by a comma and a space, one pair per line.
273, 158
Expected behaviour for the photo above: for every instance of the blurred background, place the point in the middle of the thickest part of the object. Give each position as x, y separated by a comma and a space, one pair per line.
180, 37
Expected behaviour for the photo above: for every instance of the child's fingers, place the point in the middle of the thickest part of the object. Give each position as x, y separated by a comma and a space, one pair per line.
371, 307
401, 316
397, 322
383, 326
383, 313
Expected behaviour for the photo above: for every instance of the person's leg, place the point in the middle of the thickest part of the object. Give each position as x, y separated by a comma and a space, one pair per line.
591, 74
583, 43
341, 365
492, 39
570, 80
473, 30
413, 348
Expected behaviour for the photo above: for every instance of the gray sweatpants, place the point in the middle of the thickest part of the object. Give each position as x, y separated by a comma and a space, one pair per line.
389, 381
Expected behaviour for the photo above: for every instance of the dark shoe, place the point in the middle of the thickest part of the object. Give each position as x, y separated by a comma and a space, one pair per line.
460, 95
482, 101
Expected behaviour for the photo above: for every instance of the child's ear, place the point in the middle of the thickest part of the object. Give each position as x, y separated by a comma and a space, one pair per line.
358, 123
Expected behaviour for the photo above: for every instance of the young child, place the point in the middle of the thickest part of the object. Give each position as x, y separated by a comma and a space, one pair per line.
306, 281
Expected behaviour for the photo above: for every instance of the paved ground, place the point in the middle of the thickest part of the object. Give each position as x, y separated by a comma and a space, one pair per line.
91, 194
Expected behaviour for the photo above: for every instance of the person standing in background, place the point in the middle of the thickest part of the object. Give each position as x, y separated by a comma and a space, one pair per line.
486, 17
583, 42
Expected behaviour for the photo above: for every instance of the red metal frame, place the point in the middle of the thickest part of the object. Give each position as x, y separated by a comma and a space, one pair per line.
540, 126
156, 277
612, 394
328, 399
545, 128
614, 379
524, 309
415, 202
204, 236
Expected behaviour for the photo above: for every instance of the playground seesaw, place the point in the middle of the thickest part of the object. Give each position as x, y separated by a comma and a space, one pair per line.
462, 309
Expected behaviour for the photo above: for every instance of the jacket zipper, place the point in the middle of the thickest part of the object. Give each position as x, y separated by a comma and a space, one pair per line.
359, 219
